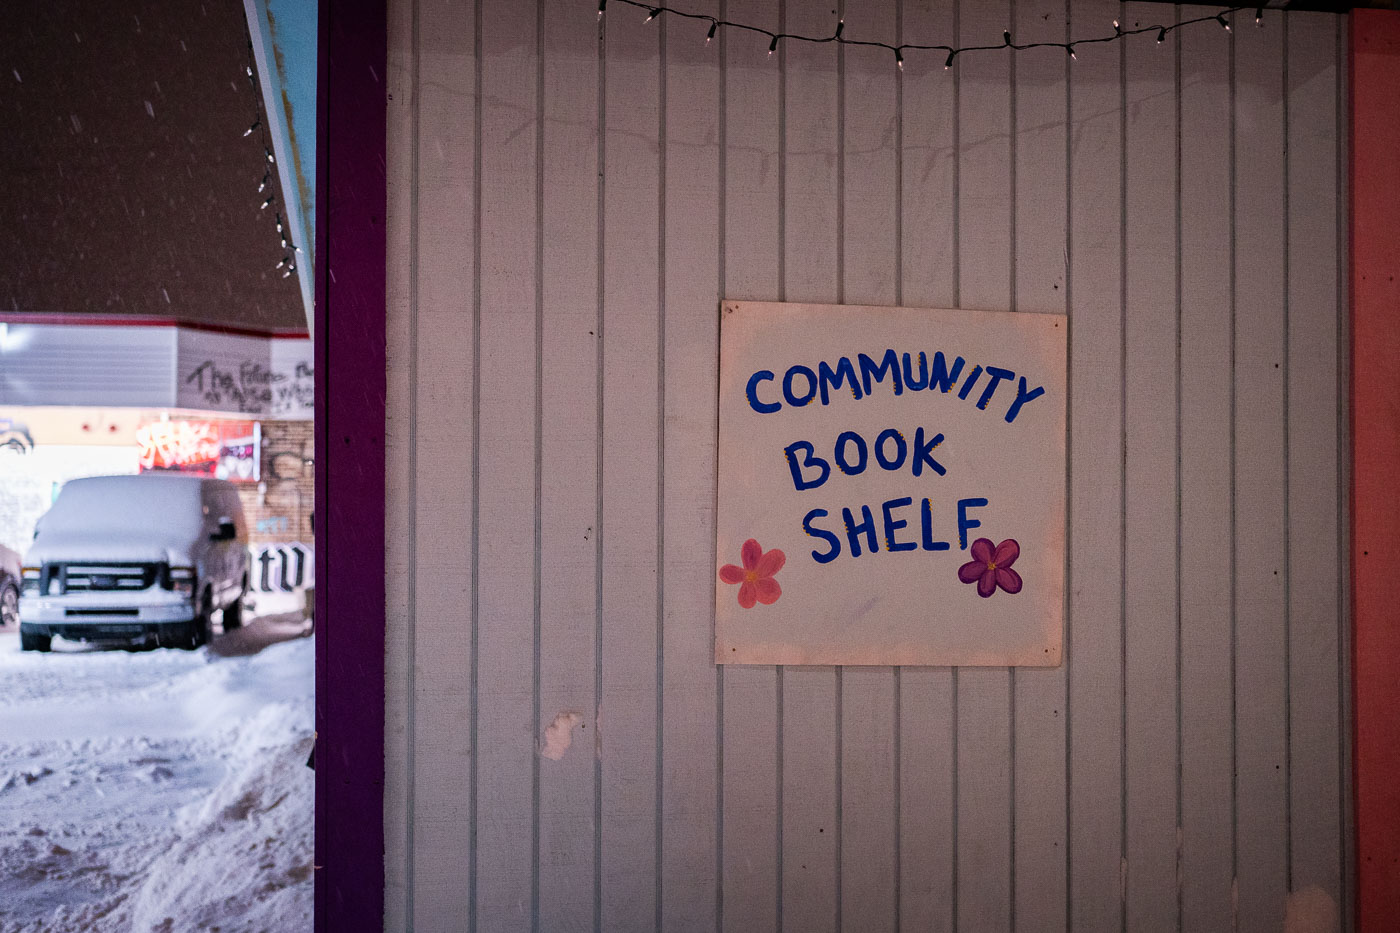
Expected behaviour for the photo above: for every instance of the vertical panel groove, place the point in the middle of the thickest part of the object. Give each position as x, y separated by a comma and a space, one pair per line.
898, 737
839, 828
778, 803
1067, 652
1176, 233
1346, 913
474, 724
840, 224
953, 763
1013, 293
840, 817
780, 732
955, 804
957, 252
411, 616
1287, 524
538, 439
1234, 543
658, 829
600, 334
723, 215
1124, 867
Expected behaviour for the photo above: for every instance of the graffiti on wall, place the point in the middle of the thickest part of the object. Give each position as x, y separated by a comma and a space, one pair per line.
274, 525
225, 449
288, 486
15, 436
253, 387
282, 568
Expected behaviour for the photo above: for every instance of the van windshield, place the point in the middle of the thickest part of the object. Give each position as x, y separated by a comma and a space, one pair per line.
145, 504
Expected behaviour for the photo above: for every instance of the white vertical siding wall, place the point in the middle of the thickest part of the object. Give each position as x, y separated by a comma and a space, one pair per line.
571, 197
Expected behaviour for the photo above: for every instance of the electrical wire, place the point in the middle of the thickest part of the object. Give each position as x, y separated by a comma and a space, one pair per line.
837, 36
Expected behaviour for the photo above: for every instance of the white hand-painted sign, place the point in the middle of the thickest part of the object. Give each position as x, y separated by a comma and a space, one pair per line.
257, 376
891, 486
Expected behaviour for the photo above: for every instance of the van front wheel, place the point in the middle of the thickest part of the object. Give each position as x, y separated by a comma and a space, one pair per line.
28, 642
197, 633
233, 612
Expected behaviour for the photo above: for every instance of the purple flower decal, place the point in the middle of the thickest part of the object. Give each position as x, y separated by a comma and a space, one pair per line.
991, 567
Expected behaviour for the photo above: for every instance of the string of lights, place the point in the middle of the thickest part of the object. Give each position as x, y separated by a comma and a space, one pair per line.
288, 263
1221, 19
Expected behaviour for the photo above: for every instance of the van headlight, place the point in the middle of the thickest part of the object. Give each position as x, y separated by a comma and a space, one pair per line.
29, 581
182, 580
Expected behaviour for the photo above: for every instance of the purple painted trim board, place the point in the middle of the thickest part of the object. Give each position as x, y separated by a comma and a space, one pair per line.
350, 388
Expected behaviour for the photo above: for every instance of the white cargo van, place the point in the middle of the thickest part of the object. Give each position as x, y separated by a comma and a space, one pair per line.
135, 559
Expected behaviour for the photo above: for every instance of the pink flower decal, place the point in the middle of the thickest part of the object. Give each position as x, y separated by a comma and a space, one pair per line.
991, 567
756, 576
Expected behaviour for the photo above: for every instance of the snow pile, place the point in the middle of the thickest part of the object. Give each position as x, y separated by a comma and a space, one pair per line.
157, 791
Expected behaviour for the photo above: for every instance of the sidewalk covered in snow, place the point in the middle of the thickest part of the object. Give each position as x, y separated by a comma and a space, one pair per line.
158, 790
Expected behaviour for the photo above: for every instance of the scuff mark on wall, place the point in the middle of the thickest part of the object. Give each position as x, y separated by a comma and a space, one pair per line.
1310, 910
559, 734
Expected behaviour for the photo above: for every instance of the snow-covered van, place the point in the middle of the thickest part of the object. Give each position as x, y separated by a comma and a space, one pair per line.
135, 558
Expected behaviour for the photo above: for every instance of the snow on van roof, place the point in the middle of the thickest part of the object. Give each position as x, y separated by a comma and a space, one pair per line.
156, 476
127, 501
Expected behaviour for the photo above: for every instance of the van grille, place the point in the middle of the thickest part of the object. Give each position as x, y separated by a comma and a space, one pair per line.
91, 578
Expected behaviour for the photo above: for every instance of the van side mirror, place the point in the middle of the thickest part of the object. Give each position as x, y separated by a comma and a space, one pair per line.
227, 531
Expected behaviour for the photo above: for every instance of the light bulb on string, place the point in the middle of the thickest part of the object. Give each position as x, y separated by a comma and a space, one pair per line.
269, 155
266, 204
1121, 30
249, 130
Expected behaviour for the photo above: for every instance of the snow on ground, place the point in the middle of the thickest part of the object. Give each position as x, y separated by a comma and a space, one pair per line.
159, 790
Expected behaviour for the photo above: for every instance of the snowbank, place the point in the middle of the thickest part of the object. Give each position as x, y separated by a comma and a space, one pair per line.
158, 791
